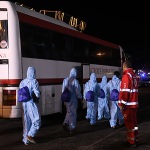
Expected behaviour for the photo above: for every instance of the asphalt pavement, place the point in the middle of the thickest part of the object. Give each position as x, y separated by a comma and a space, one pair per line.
52, 137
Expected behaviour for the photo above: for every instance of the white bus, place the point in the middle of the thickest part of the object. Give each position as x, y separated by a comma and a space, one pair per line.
53, 47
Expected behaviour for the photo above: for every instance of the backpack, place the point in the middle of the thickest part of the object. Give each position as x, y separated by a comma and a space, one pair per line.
24, 94
90, 95
66, 95
102, 93
114, 95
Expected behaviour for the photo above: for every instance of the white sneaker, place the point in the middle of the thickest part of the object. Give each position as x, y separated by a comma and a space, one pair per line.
26, 143
98, 118
87, 117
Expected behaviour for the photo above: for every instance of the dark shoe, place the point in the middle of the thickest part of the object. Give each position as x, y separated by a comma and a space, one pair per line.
137, 143
130, 145
120, 125
133, 145
72, 131
92, 124
65, 127
106, 119
31, 140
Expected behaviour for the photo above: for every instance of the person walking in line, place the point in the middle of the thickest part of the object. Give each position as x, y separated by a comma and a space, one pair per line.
128, 103
115, 112
92, 106
31, 114
118, 75
73, 85
103, 108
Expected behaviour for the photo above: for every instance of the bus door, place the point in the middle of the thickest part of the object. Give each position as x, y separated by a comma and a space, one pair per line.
86, 73
85, 77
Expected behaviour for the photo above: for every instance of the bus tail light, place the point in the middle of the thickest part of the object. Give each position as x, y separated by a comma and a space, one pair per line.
9, 97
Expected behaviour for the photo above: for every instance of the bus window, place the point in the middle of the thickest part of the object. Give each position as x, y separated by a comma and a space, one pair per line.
35, 43
69, 48
116, 59
79, 50
60, 46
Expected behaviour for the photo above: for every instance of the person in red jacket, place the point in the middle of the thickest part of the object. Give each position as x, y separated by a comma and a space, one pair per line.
128, 102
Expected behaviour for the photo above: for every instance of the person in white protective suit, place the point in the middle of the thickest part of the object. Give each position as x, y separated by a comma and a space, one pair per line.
73, 85
115, 112
103, 109
31, 114
92, 106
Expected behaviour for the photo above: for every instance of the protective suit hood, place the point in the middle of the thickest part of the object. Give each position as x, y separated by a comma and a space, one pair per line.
93, 77
115, 79
31, 73
73, 73
104, 80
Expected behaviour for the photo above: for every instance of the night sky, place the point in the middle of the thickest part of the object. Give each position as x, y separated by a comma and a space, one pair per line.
122, 23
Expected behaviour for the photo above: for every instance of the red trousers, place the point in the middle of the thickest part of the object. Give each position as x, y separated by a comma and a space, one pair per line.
130, 120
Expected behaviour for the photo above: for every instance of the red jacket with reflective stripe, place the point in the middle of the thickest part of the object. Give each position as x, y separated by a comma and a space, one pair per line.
128, 97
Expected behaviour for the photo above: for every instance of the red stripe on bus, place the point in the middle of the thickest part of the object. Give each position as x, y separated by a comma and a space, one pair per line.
41, 81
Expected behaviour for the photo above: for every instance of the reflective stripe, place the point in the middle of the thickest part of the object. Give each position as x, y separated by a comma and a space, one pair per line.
135, 90
130, 138
129, 90
129, 75
127, 103
125, 90
132, 130
123, 102
135, 128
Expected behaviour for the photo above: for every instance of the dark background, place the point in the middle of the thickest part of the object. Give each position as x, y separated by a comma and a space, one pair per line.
123, 23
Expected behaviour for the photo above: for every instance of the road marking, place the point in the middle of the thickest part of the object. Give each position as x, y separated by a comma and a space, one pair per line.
90, 146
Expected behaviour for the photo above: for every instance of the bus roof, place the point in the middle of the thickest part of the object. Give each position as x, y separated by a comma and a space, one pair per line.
33, 13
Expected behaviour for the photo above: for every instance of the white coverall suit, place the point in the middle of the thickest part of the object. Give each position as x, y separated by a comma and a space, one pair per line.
103, 109
92, 106
31, 115
73, 85
115, 112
